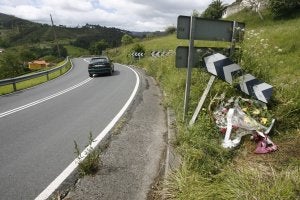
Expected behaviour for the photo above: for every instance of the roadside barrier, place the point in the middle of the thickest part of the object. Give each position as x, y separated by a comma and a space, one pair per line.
16, 80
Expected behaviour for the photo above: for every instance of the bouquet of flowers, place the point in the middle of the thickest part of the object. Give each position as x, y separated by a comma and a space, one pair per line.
239, 116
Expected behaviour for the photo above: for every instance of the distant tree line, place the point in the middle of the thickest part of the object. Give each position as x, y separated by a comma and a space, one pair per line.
99, 39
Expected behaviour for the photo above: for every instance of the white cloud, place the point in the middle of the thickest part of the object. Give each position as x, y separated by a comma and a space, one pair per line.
69, 5
134, 15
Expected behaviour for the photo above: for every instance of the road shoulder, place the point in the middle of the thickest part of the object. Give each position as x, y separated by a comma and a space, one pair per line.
134, 157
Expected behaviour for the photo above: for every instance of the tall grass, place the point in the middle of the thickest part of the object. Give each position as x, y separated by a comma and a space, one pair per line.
235, 182
271, 53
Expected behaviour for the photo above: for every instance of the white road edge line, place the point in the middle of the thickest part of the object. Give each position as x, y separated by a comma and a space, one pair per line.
73, 165
44, 99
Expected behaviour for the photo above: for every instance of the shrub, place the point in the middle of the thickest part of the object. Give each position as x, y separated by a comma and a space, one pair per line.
283, 8
139, 48
170, 30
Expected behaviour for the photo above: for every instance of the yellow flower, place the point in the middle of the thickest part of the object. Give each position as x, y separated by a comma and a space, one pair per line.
256, 112
245, 109
263, 120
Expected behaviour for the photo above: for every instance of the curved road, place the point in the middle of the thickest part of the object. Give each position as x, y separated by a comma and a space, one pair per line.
38, 126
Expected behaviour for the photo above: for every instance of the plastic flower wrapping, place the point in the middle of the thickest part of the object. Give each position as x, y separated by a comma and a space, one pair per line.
238, 117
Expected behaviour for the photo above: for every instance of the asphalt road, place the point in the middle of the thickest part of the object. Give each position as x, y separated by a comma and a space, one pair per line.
37, 140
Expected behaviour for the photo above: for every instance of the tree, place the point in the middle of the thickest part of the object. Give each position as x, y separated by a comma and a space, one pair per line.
215, 10
284, 8
4, 43
82, 42
10, 65
98, 47
126, 39
62, 50
170, 30
196, 13
27, 55
138, 48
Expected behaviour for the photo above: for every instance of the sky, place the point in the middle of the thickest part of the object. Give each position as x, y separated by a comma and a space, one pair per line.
131, 15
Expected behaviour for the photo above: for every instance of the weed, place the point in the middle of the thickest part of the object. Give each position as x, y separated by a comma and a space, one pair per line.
89, 161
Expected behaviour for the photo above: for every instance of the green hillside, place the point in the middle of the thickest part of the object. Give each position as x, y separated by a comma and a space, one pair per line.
271, 52
25, 41
18, 32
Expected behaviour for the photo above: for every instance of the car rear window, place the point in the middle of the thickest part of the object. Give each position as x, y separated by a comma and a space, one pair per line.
99, 60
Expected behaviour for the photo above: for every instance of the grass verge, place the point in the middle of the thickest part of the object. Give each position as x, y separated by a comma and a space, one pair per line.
271, 53
35, 81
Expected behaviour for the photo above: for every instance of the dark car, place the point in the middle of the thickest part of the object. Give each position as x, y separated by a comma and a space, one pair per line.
100, 65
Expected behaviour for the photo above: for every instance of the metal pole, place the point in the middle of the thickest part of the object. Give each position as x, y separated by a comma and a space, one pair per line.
233, 39
189, 68
201, 102
55, 36
15, 86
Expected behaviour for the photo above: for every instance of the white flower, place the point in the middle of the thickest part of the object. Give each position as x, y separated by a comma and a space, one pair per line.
279, 50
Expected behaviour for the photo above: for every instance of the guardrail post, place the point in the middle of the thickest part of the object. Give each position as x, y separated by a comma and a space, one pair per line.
15, 86
47, 76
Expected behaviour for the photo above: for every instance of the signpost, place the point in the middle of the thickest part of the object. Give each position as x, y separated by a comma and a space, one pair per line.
195, 28
189, 66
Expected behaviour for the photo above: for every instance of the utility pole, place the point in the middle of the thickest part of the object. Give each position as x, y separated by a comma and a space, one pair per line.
55, 39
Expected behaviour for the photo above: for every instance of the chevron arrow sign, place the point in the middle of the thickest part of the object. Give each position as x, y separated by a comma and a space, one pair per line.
137, 54
221, 66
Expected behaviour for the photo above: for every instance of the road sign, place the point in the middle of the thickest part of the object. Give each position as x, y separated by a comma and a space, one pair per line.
207, 29
199, 52
163, 53
195, 28
155, 53
223, 67
256, 88
137, 54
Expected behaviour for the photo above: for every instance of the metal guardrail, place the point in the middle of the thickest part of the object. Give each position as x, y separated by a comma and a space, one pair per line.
18, 79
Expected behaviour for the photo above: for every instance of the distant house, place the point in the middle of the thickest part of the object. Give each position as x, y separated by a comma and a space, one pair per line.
37, 64
1, 50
